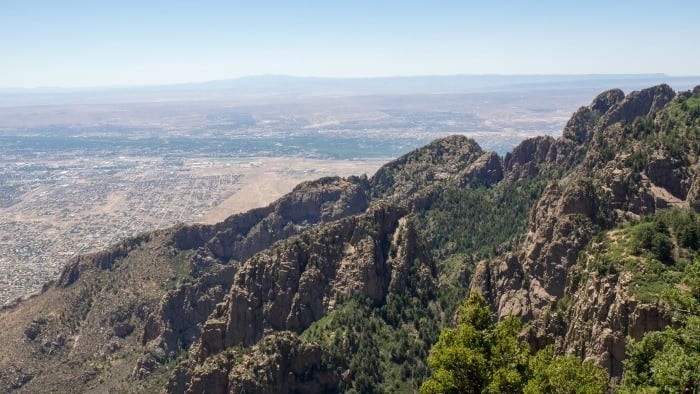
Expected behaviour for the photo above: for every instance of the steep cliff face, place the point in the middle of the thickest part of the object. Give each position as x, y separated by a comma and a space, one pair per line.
583, 123
627, 282
294, 284
639, 160
527, 281
539, 154
487, 170
636, 104
603, 315
241, 236
423, 167
279, 362
301, 280
175, 325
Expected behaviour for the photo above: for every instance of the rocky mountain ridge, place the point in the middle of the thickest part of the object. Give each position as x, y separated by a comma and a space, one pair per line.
207, 308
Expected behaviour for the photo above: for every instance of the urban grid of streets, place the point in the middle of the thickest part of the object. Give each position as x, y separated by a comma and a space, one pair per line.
57, 207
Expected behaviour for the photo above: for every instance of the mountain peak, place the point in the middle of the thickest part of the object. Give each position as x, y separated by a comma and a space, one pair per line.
638, 103
604, 101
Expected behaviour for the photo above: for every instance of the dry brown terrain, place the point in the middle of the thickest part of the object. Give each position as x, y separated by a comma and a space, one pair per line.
274, 177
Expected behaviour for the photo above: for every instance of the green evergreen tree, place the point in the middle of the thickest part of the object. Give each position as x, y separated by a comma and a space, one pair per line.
564, 375
479, 356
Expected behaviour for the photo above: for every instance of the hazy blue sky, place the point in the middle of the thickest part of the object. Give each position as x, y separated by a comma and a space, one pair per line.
88, 43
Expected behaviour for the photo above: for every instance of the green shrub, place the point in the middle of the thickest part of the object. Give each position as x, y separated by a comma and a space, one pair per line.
664, 361
564, 374
479, 356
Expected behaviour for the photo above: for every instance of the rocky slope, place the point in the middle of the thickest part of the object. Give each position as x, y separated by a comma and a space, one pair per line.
640, 157
344, 284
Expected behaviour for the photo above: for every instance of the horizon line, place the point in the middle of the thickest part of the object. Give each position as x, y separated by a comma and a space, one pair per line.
329, 78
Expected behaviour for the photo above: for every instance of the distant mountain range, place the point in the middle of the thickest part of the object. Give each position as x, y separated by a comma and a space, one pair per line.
292, 86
